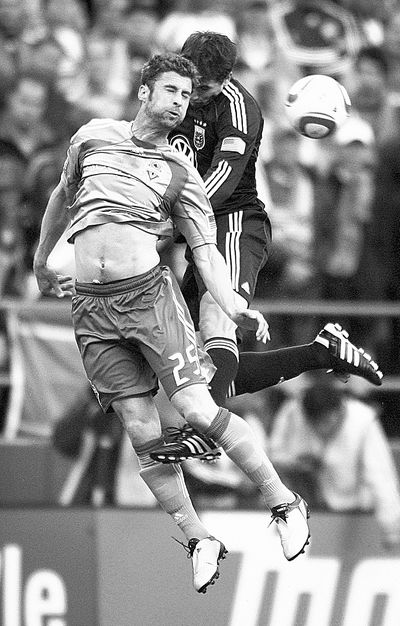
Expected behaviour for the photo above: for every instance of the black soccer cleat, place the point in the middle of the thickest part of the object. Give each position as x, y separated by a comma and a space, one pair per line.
185, 443
345, 357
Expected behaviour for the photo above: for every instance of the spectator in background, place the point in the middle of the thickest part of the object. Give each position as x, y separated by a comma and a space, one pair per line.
343, 199
312, 37
35, 120
391, 48
142, 28
370, 17
29, 43
316, 36
12, 249
102, 86
25, 115
15, 33
188, 17
368, 87
42, 174
69, 24
382, 251
334, 445
93, 440
290, 270
256, 50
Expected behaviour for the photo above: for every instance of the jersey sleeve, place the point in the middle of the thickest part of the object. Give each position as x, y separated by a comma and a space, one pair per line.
96, 128
238, 129
192, 212
71, 172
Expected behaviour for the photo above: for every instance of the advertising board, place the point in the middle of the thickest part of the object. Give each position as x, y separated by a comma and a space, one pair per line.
48, 568
121, 567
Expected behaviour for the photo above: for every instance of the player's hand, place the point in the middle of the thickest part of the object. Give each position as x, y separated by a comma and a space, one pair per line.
52, 284
250, 319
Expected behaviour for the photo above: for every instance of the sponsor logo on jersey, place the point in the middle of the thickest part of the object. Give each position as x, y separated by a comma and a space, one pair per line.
181, 144
199, 134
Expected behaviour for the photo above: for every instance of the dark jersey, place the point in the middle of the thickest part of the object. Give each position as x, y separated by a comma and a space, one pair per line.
222, 139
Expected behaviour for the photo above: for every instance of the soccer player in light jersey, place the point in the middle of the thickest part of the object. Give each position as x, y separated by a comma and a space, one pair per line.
122, 188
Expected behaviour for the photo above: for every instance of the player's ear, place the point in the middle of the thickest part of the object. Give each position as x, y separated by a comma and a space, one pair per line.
227, 79
143, 93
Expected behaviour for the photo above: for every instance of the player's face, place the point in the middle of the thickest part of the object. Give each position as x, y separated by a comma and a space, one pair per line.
167, 103
206, 90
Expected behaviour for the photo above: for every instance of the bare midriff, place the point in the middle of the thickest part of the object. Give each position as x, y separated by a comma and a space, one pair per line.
113, 252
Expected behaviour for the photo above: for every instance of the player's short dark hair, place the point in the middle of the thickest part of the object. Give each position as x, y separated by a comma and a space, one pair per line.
168, 62
213, 54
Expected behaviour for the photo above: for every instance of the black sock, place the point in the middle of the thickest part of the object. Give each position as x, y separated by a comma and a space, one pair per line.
259, 370
225, 360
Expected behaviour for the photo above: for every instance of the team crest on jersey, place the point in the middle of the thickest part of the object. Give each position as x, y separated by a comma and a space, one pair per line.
199, 134
154, 170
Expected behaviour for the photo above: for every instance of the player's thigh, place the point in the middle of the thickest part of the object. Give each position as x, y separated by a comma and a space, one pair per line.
243, 238
169, 343
115, 368
116, 372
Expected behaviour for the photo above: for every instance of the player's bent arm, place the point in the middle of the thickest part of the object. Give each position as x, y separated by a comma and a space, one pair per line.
54, 223
214, 272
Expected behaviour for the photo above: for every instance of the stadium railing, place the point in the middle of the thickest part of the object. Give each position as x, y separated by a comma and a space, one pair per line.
332, 308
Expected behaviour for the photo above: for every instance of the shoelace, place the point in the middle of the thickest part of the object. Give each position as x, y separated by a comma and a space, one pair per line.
280, 511
189, 548
177, 434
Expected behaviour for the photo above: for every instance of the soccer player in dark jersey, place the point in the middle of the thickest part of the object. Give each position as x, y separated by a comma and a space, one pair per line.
221, 134
122, 189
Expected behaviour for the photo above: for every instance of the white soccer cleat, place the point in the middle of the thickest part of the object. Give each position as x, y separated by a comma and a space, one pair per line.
291, 521
205, 555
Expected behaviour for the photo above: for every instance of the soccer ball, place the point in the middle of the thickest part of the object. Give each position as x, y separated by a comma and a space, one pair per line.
317, 105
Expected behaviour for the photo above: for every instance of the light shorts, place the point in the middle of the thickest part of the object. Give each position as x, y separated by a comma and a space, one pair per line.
132, 333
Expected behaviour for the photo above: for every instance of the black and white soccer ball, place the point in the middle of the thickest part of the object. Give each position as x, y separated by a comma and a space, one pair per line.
317, 105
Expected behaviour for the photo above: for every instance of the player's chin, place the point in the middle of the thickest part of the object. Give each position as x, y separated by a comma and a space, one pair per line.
172, 120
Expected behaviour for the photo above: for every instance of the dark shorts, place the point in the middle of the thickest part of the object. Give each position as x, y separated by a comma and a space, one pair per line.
132, 333
244, 239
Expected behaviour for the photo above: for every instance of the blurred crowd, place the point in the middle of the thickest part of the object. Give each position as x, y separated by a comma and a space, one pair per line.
334, 203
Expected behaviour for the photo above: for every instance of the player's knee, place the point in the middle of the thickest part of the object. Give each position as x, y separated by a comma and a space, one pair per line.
139, 418
196, 405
